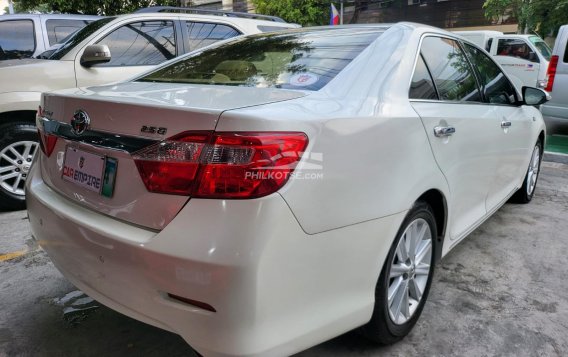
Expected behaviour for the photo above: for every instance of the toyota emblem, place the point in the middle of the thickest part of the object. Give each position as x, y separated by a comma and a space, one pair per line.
80, 122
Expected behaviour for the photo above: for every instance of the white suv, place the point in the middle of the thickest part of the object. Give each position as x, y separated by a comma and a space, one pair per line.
108, 50
29, 35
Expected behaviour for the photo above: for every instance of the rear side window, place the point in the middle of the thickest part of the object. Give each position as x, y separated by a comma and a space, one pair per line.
488, 46
305, 60
141, 44
422, 86
202, 34
17, 39
516, 48
566, 53
495, 85
59, 29
450, 69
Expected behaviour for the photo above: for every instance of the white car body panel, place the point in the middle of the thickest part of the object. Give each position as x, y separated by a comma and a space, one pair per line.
297, 267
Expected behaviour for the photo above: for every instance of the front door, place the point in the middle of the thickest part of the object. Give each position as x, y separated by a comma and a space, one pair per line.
462, 130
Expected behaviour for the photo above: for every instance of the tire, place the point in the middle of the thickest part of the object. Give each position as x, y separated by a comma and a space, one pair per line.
18, 144
385, 327
526, 192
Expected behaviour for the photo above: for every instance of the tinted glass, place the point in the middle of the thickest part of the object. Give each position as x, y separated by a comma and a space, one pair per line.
78, 37
450, 69
292, 60
422, 86
516, 48
57, 30
203, 34
566, 53
495, 86
141, 43
488, 46
541, 46
16, 39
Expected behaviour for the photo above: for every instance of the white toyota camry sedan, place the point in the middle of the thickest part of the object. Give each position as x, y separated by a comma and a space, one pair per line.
266, 194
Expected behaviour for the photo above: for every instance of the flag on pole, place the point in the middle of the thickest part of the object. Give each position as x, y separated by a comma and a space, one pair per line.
334, 18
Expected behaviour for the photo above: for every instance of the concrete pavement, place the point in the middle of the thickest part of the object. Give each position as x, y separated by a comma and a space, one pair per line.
503, 291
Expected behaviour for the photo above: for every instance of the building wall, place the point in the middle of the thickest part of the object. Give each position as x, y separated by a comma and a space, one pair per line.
448, 14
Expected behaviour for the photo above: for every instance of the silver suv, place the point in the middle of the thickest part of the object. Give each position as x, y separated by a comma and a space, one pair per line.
109, 50
28, 35
555, 112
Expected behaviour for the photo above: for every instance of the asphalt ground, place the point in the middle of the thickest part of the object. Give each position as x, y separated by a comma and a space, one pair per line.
501, 292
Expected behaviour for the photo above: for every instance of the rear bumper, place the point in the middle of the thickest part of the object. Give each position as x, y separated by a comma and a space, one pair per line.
275, 289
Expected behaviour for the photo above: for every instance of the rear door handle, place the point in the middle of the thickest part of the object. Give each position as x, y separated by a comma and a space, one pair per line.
505, 124
443, 131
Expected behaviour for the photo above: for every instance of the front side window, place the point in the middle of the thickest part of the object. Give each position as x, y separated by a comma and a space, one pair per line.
17, 39
202, 34
516, 48
422, 86
305, 60
450, 70
496, 88
59, 29
142, 43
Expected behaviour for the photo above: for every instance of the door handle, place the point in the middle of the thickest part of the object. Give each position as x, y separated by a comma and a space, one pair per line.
505, 124
442, 131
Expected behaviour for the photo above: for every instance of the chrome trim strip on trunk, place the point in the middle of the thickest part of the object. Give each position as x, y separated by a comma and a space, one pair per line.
96, 138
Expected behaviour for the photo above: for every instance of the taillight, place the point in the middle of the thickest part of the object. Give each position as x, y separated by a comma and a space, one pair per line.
551, 73
46, 142
221, 165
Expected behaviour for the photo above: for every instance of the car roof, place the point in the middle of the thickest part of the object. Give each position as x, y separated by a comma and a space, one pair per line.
47, 16
213, 18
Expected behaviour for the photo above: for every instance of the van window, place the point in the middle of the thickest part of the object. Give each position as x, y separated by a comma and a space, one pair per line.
566, 53
489, 43
517, 48
16, 39
453, 76
541, 46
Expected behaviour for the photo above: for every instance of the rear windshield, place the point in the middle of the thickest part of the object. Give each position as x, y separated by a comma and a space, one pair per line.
541, 46
290, 60
78, 37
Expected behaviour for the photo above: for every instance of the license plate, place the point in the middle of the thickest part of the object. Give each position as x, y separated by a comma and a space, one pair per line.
91, 171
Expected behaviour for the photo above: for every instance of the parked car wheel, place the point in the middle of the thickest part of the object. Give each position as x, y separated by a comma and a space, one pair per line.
18, 144
526, 192
405, 279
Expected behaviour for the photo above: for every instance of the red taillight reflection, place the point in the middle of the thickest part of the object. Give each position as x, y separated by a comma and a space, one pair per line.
221, 165
46, 142
551, 73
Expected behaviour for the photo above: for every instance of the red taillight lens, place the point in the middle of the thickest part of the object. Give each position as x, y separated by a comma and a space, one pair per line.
171, 166
551, 73
221, 165
46, 142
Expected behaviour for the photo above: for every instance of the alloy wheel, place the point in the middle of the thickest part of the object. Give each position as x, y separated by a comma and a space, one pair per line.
15, 162
534, 167
409, 271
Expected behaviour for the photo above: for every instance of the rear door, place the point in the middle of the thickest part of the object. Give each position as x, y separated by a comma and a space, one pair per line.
518, 59
463, 132
515, 126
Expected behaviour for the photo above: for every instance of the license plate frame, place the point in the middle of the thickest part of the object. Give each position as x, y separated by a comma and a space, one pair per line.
91, 171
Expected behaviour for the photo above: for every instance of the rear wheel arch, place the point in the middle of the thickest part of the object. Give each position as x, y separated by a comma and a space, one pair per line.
437, 201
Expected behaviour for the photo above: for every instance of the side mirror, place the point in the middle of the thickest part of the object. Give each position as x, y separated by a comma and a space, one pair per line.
95, 54
535, 96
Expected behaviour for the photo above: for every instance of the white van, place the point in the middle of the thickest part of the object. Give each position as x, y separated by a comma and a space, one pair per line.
556, 111
525, 57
